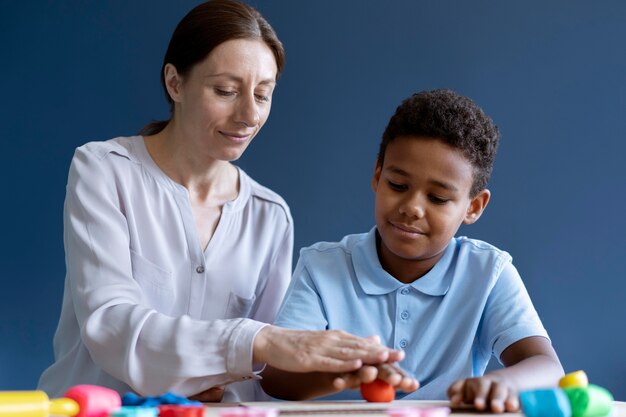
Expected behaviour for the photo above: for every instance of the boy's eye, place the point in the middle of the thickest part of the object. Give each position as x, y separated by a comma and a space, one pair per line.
438, 200
397, 187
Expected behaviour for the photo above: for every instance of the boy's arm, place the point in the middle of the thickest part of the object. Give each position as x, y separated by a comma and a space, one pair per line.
297, 386
305, 386
530, 363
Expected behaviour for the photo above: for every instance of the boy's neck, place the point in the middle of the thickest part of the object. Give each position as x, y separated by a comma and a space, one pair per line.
406, 270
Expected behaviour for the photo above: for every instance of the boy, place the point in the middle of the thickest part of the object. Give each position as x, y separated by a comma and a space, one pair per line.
449, 302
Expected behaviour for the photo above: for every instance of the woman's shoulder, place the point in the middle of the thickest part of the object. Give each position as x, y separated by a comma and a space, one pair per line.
263, 194
121, 146
101, 160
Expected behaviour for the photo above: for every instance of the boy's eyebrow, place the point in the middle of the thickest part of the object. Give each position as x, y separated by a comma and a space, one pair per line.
445, 185
437, 183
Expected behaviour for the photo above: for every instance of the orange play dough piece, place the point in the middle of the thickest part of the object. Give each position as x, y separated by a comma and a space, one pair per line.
378, 391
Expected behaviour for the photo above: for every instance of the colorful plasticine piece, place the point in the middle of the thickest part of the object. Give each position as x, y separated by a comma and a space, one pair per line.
378, 391
419, 412
590, 401
404, 412
181, 411
248, 412
435, 412
574, 379
93, 400
34, 404
169, 398
545, 403
132, 411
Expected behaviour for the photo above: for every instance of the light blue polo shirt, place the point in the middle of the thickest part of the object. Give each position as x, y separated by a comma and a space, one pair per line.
449, 322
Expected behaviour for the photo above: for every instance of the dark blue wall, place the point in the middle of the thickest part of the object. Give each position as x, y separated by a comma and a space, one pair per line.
551, 74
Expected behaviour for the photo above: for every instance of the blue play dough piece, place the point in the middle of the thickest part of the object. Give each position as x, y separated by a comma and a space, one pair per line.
169, 398
545, 403
131, 399
134, 411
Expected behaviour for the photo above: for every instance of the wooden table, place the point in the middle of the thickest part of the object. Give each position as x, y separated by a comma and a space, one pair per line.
364, 409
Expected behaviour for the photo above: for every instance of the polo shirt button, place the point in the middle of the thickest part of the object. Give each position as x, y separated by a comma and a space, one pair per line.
403, 343
404, 315
200, 269
404, 291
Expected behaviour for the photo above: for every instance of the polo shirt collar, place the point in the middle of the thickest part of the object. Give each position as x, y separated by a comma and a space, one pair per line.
374, 280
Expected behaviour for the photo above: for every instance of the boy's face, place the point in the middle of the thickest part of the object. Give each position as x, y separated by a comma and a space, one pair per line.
422, 197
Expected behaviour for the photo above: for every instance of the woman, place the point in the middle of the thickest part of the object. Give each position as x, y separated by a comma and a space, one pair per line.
176, 259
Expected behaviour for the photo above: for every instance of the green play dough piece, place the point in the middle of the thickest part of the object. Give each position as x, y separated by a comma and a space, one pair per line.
590, 401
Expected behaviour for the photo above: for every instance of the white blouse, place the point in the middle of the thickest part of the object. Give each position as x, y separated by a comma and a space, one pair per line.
145, 308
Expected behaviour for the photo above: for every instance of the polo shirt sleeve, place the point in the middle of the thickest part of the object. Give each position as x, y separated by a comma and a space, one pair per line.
509, 315
302, 307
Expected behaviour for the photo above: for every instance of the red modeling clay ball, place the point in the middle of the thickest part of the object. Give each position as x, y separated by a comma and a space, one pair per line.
378, 391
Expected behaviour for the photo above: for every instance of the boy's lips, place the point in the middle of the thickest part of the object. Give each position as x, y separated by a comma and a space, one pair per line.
407, 229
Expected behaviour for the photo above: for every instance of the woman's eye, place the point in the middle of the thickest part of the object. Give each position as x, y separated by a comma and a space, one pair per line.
224, 93
397, 187
438, 200
262, 98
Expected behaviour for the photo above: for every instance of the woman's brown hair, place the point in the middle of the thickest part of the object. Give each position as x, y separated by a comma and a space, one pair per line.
207, 26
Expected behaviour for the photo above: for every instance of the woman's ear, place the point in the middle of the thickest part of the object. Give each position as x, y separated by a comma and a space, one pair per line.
376, 177
173, 82
477, 206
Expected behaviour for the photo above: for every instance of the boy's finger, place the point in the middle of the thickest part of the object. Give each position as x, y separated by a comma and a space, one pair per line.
497, 395
478, 389
455, 393
367, 374
512, 402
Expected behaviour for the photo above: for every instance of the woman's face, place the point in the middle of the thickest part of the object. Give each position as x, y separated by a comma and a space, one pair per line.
225, 99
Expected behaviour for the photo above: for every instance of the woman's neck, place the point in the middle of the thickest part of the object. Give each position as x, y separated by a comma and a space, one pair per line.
172, 154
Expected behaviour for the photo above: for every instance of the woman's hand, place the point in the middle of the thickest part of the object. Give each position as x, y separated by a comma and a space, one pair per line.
489, 392
390, 373
321, 351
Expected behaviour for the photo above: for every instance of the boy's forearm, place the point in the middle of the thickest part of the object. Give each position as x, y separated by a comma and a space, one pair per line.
297, 386
533, 372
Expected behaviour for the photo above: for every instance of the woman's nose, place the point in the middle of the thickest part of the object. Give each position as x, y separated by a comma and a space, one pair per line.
247, 111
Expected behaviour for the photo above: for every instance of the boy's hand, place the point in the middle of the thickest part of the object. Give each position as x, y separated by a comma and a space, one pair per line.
321, 351
488, 392
390, 373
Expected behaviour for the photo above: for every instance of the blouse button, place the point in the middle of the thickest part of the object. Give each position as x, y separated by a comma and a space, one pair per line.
200, 269
404, 315
404, 291
403, 343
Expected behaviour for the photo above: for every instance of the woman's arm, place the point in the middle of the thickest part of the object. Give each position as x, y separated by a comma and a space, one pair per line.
150, 351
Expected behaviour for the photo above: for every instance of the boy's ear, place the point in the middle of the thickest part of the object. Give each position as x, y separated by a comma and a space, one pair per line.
477, 206
376, 177
173, 82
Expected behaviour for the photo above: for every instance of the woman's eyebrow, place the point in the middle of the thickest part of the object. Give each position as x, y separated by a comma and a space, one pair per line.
233, 77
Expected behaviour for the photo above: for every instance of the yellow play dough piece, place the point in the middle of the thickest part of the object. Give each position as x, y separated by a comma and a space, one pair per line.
574, 379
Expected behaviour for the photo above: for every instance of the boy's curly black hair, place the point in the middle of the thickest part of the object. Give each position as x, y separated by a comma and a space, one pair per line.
454, 119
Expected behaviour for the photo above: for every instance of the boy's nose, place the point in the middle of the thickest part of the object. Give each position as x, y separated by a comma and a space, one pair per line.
413, 208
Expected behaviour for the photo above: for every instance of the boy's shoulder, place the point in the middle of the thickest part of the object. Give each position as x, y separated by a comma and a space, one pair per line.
480, 248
